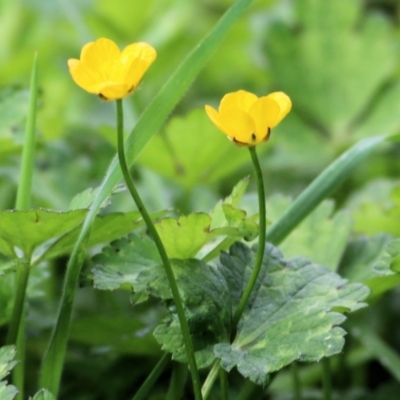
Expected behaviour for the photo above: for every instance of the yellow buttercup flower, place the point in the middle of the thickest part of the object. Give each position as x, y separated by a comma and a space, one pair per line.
107, 71
247, 119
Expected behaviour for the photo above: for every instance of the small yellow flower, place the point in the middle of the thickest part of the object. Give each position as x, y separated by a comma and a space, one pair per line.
246, 119
107, 71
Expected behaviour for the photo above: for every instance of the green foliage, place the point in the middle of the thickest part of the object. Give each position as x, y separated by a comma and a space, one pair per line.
192, 151
7, 363
325, 51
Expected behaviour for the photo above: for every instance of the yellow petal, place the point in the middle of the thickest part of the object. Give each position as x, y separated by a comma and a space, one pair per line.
264, 113
82, 76
100, 52
239, 126
136, 59
215, 118
113, 90
284, 103
240, 100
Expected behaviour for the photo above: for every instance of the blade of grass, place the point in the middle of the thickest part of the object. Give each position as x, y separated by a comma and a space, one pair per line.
150, 121
15, 333
322, 187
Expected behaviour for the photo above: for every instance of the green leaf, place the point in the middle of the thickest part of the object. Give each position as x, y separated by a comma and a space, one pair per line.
321, 237
43, 394
105, 228
119, 334
183, 238
292, 315
325, 58
29, 229
207, 308
134, 262
192, 151
7, 363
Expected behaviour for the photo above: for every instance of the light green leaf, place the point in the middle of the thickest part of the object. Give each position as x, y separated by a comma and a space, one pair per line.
325, 58
43, 394
292, 315
184, 237
29, 229
192, 151
7, 363
321, 237
105, 228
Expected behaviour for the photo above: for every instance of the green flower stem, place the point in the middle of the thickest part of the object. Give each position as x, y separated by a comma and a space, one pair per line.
326, 379
223, 377
261, 239
257, 266
143, 392
23, 202
163, 254
296, 381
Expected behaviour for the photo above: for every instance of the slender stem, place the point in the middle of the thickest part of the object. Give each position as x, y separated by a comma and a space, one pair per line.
296, 381
261, 240
178, 381
211, 378
256, 270
223, 377
143, 392
326, 379
163, 254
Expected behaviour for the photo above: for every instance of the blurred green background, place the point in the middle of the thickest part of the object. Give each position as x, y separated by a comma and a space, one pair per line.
337, 59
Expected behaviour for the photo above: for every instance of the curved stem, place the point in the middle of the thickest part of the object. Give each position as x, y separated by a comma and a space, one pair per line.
261, 239
163, 254
144, 390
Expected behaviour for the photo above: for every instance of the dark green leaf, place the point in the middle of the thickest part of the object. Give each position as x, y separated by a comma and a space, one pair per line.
132, 262
292, 314
207, 307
